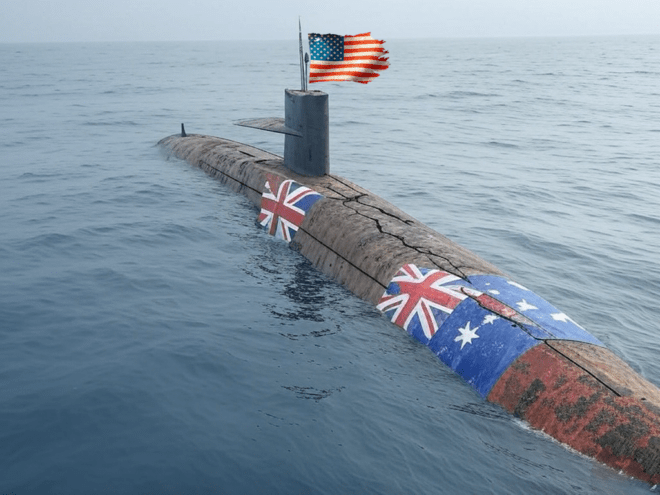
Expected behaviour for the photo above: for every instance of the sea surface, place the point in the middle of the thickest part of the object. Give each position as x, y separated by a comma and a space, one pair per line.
155, 340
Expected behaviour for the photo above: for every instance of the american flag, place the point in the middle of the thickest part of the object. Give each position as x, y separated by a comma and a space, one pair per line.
420, 299
356, 58
283, 206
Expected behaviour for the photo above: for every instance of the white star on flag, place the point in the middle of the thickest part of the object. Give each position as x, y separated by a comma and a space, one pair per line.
467, 334
564, 318
560, 317
516, 284
525, 306
490, 319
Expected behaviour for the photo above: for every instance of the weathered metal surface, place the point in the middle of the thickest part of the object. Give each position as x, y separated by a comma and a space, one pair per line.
611, 370
351, 235
566, 401
307, 113
377, 239
578, 392
272, 124
235, 164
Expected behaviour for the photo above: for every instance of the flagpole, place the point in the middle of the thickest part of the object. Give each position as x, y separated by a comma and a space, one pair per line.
306, 69
302, 62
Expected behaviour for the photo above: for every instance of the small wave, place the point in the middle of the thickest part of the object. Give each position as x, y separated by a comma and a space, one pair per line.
120, 178
98, 230
35, 199
182, 231
483, 410
31, 176
113, 123
499, 144
520, 459
311, 392
314, 333
471, 94
654, 221
47, 241
353, 122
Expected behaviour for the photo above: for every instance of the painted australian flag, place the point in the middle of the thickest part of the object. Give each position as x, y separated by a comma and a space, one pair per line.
284, 204
480, 345
477, 326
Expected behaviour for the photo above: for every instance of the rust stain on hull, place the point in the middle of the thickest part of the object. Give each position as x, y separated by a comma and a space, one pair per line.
562, 399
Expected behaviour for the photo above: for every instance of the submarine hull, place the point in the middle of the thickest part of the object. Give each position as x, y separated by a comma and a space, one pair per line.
512, 347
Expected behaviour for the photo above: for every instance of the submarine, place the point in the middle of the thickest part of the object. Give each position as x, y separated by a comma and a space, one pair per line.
514, 348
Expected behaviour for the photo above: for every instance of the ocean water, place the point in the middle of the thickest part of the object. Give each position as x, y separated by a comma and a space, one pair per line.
154, 340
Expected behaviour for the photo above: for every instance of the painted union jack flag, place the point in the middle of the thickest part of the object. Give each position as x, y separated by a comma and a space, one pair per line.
419, 300
283, 206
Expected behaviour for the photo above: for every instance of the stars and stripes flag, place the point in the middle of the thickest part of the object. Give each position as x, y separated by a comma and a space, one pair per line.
356, 58
283, 206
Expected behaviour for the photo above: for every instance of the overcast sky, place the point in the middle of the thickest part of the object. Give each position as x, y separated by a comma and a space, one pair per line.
176, 20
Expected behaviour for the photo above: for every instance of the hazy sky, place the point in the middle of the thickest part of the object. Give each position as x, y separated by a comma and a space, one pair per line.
161, 20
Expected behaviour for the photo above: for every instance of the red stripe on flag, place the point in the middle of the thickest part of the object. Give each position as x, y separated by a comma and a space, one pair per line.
367, 57
362, 50
356, 66
345, 74
363, 42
